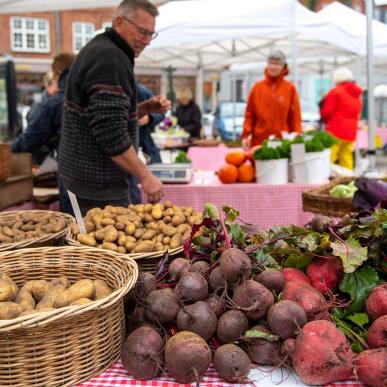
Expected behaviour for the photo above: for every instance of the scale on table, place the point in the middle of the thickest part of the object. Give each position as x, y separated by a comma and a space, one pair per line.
172, 173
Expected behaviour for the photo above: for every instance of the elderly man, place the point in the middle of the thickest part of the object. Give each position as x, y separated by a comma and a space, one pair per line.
273, 106
99, 137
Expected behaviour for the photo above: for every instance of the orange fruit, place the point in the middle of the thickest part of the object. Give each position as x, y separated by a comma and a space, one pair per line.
246, 172
228, 174
236, 157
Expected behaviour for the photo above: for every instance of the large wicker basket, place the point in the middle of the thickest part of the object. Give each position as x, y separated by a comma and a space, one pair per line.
45, 240
319, 201
71, 344
5, 162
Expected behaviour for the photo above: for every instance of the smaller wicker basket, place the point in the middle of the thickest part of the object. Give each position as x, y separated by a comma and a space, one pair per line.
5, 161
45, 240
319, 201
68, 345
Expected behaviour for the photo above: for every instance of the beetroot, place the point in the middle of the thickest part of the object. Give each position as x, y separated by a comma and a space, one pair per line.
200, 267
145, 284
371, 367
254, 298
141, 353
286, 318
231, 326
376, 304
325, 273
232, 363
292, 274
235, 264
217, 281
162, 306
198, 318
216, 303
306, 296
192, 287
322, 354
178, 267
271, 279
287, 349
377, 333
136, 318
187, 357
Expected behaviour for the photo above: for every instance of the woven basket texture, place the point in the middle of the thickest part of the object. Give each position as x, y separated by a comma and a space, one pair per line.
45, 240
72, 344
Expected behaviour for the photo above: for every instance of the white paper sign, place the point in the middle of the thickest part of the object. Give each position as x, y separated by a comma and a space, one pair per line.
77, 212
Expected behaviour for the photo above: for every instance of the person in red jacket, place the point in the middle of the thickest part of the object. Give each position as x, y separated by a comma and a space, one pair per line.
273, 106
340, 111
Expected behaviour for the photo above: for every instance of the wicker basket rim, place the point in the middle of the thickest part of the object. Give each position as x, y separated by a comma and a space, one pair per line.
69, 219
319, 191
44, 318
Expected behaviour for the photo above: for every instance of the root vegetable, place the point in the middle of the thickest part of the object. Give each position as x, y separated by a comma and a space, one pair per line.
145, 284
292, 274
235, 264
200, 267
371, 367
198, 318
286, 318
192, 287
254, 298
271, 279
187, 357
376, 304
377, 333
178, 267
322, 354
162, 306
231, 326
216, 280
216, 304
287, 349
141, 353
232, 363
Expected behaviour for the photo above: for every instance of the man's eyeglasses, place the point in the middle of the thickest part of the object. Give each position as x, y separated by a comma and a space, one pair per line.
142, 31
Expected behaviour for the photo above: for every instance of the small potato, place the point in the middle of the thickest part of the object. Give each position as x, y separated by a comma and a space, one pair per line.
137, 223
90, 226
87, 240
157, 212
17, 225
159, 246
144, 247
75, 229
131, 206
168, 204
97, 219
138, 233
93, 212
10, 310
62, 280
82, 289
129, 246
152, 226
7, 231
100, 235
25, 299
102, 290
120, 226
176, 241
169, 231
48, 301
167, 219
186, 235
148, 234
111, 234
38, 288
159, 238
109, 246
147, 218
5, 239
148, 208
6, 291
130, 238
166, 240
130, 229
182, 228
178, 220
121, 249
121, 240
169, 212
58, 225
188, 211
139, 208
81, 301
108, 222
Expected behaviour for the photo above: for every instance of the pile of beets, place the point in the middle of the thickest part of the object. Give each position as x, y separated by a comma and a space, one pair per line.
227, 315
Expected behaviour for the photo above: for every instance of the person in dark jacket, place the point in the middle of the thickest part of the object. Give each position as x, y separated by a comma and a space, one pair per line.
340, 110
188, 112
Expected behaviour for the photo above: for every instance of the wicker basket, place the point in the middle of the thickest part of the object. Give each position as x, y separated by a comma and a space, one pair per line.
46, 240
5, 161
71, 344
319, 201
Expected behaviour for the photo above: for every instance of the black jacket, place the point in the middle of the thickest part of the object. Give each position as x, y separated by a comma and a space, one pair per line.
189, 117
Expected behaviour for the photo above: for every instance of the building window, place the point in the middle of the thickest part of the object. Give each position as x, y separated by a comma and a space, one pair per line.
82, 33
30, 35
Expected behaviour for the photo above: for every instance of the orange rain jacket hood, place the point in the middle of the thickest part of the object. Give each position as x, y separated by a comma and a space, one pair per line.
272, 107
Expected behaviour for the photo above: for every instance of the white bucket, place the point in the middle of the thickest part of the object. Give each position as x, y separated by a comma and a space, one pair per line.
327, 162
271, 171
311, 169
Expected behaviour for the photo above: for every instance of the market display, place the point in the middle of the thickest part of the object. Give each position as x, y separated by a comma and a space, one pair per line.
141, 228
312, 298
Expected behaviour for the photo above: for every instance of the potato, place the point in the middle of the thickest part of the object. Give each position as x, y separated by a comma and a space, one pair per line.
148, 234
25, 299
6, 291
152, 226
59, 225
138, 233
38, 288
157, 212
97, 219
7, 231
120, 226
169, 212
107, 222
159, 238
102, 290
81, 301
178, 220
121, 249
10, 310
167, 219
139, 208
148, 208
159, 246
121, 240
131, 206
166, 240
186, 235
100, 235
109, 246
17, 225
5, 239
130, 229
169, 231
82, 289
182, 228
144, 247
176, 241
75, 229
111, 234
168, 204
62, 280
48, 301
188, 211
87, 240
130, 245
14, 289
90, 226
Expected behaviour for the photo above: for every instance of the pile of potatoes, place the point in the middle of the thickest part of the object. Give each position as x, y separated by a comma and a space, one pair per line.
140, 228
42, 296
28, 225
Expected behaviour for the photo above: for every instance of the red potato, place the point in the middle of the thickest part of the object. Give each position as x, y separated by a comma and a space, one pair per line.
271, 279
322, 354
141, 353
376, 304
187, 357
253, 298
325, 273
191, 287
292, 274
235, 264
377, 333
162, 306
232, 363
371, 367
178, 267
231, 326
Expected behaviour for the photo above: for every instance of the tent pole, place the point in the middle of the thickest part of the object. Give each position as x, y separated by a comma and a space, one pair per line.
199, 87
370, 84
294, 45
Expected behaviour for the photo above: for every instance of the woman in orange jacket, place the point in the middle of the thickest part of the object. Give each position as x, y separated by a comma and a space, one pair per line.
273, 106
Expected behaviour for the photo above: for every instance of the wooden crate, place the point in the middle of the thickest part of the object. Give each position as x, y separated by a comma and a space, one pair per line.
18, 187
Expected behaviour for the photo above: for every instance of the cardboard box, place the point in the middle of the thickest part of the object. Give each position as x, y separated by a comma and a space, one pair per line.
18, 187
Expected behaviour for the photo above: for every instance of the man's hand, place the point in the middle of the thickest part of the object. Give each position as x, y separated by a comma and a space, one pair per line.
144, 120
157, 104
153, 187
246, 143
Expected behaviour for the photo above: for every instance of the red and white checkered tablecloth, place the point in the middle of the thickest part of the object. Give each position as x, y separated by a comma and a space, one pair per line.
116, 375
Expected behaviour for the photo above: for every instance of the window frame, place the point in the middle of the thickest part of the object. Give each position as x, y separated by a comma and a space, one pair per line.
82, 34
